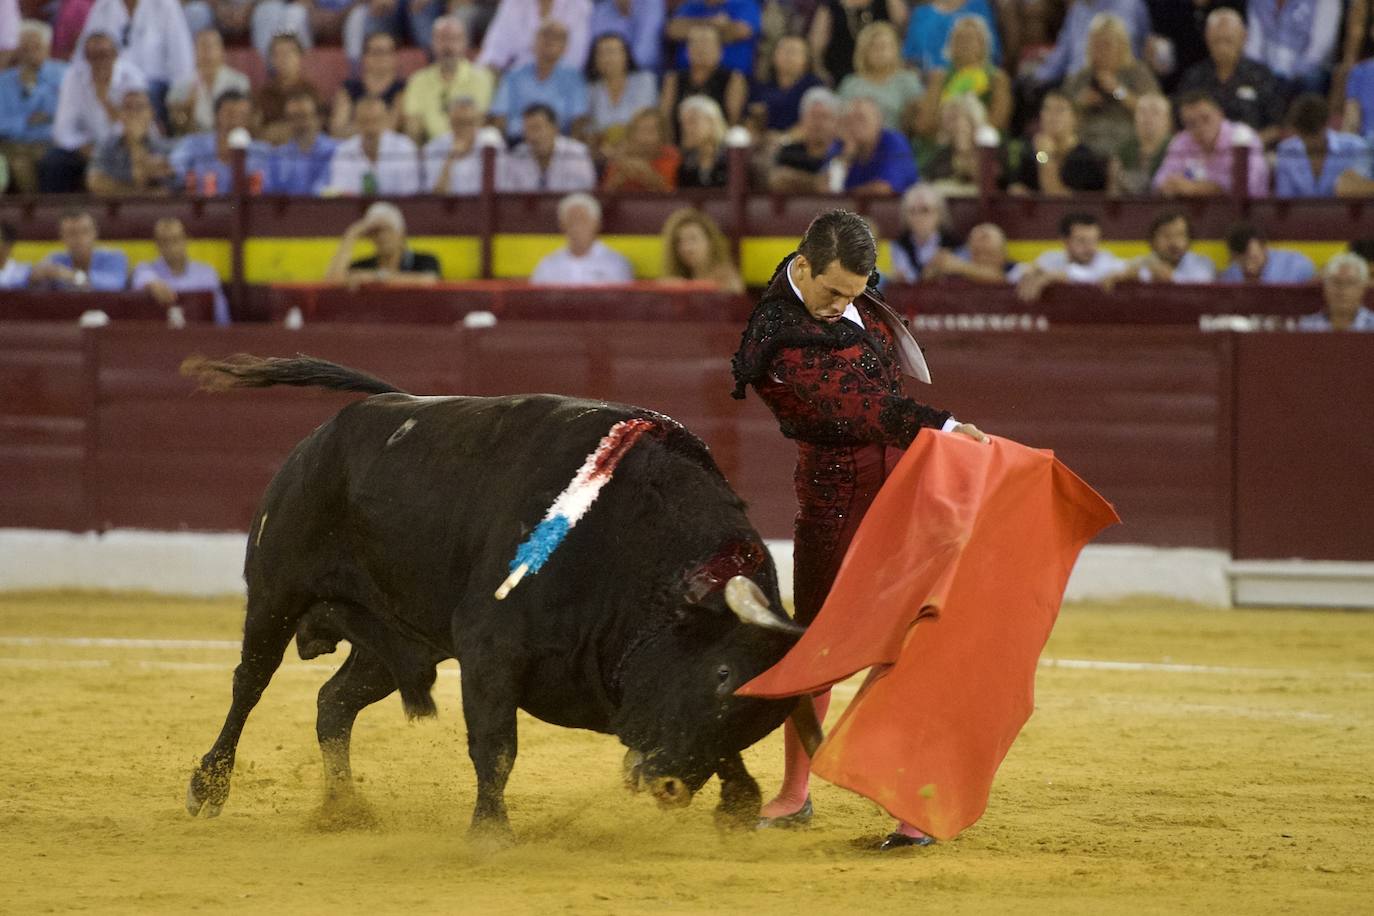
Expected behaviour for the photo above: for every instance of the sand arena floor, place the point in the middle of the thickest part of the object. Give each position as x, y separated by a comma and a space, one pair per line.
1228, 772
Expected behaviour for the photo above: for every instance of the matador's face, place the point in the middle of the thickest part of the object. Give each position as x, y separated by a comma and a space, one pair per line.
827, 294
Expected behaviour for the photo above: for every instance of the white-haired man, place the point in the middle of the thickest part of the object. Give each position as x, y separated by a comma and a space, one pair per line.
878, 161
1344, 282
585, 260
799, 166
394, 262
28, 101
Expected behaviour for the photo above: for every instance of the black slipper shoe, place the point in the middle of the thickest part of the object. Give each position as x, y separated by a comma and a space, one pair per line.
799, 818
902, 841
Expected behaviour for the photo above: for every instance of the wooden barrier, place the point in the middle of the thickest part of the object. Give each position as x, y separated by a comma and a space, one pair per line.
448, 303
1258, 444
1304, 447
1127, 303
26, 305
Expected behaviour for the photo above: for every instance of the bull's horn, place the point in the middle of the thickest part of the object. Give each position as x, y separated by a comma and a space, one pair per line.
750, 605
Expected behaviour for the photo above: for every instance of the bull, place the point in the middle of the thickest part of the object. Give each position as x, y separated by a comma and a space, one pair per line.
392, 524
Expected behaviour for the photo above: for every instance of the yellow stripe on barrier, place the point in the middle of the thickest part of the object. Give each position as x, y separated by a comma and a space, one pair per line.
514, 256
268, 260
214, 252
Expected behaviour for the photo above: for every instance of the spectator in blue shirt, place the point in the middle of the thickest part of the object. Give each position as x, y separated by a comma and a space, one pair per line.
13, 274
28, 101
202, 160
879, 160
775, 104
737, 21
1343, 158
300, 166
639, 22
1253, 261
81, 266
544, 82
927, 33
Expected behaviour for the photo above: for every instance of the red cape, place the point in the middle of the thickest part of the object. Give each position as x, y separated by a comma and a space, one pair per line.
951, 587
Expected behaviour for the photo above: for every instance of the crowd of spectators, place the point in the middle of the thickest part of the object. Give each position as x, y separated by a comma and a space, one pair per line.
1122, 96
861, 97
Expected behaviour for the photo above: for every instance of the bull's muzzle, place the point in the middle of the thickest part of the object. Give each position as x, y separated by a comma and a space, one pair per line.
670, 792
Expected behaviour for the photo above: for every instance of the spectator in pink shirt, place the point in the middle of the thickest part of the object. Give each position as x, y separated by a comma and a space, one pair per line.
1199, 159
67, 26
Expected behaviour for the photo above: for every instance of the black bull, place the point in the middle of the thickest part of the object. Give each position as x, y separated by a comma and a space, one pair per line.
392, 525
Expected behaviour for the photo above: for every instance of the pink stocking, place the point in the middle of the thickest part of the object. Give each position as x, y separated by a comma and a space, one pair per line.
796, 767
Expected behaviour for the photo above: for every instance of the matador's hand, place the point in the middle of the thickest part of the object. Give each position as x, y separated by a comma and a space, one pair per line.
973, 432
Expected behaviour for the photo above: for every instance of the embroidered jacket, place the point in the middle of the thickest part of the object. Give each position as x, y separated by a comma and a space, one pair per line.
827, 383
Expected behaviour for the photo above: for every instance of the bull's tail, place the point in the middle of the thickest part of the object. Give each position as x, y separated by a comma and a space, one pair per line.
243, 370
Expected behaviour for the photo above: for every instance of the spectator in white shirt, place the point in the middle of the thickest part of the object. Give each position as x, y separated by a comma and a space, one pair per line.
507, 42
154, 35
191, 102
258, 20
453, 161
376, 160
546, 161
1081, 260
1344, 282
1170, 260
585, 260
87, 111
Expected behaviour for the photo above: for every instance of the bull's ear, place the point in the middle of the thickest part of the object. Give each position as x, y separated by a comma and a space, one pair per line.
750, 605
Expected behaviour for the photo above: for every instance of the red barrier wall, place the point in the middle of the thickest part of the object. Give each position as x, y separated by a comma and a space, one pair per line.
1305, 447
1171, 425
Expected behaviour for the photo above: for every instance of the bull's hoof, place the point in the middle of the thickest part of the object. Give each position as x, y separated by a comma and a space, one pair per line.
343, 808
740, 803
728, 818
196, 805
491, 835
207, 791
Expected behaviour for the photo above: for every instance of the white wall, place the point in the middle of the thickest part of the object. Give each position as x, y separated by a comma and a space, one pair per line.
186, 563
